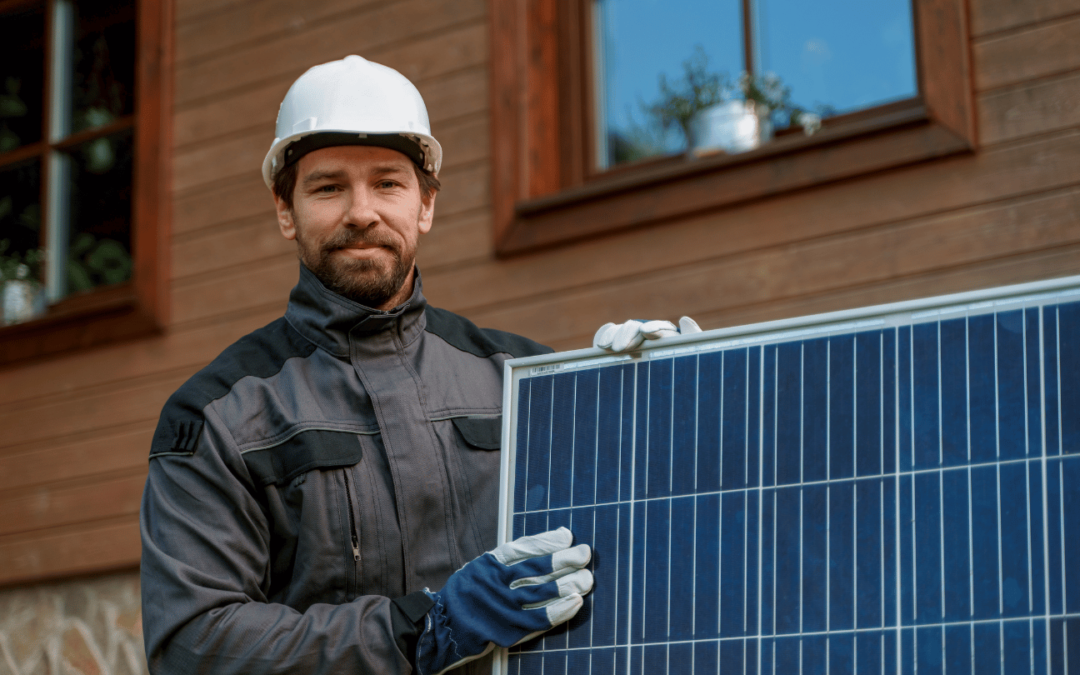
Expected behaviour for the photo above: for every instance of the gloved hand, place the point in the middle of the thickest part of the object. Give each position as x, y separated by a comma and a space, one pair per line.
621, 337
504, 597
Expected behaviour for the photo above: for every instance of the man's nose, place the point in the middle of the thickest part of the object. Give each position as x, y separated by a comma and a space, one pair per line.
362, 211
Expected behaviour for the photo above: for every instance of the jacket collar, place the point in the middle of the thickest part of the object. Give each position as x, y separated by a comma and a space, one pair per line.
328, 319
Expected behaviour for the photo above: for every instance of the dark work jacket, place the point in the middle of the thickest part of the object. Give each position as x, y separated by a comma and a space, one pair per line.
320, 467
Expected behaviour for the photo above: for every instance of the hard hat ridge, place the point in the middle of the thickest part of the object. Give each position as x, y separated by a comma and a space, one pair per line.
352, 101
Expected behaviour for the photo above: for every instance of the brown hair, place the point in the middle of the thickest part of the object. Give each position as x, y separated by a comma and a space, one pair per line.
285, 183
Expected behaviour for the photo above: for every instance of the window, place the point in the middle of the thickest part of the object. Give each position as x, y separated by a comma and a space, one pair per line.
82, 117
579, 147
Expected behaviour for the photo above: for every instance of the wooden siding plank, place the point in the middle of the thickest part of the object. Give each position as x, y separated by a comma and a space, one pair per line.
971, 237
455, 240
79, 415
232, 158
906, 193
1044, 50
47, 506
189, 10
447, 97
90, 455
249, 240
989, 16
212, 205
91, 373
266, 20
420, 38
1029, 109
1036, 266
74, 550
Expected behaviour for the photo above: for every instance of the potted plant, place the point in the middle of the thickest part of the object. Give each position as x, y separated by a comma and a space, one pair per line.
681, 103
715, 115
769, 93
23, 294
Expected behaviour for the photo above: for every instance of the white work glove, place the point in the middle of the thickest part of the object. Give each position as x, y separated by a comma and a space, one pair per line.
621, 337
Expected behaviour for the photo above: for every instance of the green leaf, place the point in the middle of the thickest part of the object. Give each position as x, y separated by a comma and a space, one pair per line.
111, 261
78, 279
12, 106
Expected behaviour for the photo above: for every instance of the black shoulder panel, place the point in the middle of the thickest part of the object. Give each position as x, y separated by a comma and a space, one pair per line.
261, 353
482, 342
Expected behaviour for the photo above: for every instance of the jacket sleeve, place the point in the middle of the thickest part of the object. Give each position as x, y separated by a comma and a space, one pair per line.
206, 570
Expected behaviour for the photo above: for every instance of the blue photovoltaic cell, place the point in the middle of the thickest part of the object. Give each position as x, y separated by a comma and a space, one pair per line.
892, 501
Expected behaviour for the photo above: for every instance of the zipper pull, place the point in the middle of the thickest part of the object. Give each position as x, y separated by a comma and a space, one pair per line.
355, 550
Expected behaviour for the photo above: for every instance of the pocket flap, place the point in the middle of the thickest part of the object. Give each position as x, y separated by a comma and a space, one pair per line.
481, 432
308, 450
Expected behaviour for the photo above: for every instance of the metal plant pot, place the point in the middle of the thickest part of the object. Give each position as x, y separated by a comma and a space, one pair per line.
23, 300
731, 127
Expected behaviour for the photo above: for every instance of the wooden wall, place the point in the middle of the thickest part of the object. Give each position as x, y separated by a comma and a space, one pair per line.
76, 428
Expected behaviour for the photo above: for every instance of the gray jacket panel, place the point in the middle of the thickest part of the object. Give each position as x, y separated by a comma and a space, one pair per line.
336, 424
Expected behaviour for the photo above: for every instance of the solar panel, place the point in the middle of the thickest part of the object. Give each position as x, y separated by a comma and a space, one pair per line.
894, 490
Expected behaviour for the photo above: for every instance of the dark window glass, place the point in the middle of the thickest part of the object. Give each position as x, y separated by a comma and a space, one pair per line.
20, 214
99, 184
22, 69
103, 77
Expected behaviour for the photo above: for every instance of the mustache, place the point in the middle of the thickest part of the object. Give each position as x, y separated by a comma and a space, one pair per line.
352, 238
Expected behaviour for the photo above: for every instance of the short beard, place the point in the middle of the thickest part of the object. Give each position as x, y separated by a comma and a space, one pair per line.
362, 281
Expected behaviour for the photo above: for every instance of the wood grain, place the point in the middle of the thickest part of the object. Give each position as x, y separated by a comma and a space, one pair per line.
90, 455
264, 21
989, 16
66, 419
455, 240
798, 269
1045, 49
81, 549
447, 97
1030, 108
93, 373
887, 197
1035, 266
47, 506
419, 38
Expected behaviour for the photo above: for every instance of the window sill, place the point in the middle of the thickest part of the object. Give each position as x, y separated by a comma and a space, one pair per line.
106, 315
903, 133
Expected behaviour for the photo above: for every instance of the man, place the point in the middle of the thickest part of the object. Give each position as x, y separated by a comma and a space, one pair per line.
321, 496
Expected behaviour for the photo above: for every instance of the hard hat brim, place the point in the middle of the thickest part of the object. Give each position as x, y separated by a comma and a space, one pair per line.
427, 154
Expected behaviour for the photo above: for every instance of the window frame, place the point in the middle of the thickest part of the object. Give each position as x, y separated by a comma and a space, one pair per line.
139, 306
546, 193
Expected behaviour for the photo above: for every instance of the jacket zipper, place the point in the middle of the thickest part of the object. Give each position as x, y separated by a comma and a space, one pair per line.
355, 535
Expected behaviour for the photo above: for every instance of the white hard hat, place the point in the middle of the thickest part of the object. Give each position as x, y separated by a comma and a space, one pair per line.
352, 102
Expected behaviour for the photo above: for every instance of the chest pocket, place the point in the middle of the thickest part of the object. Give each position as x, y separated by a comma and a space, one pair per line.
309, 450
484, 433
312, 506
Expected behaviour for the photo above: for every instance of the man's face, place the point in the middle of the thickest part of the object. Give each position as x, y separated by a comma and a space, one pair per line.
357, 216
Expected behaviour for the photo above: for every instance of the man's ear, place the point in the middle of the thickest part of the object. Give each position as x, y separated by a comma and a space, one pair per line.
427, 212
285, 219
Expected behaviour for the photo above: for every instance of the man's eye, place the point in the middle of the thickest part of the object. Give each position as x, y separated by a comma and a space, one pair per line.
387, 184
327, 188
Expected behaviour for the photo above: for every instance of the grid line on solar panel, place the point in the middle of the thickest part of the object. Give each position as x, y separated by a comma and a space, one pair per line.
916, 484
